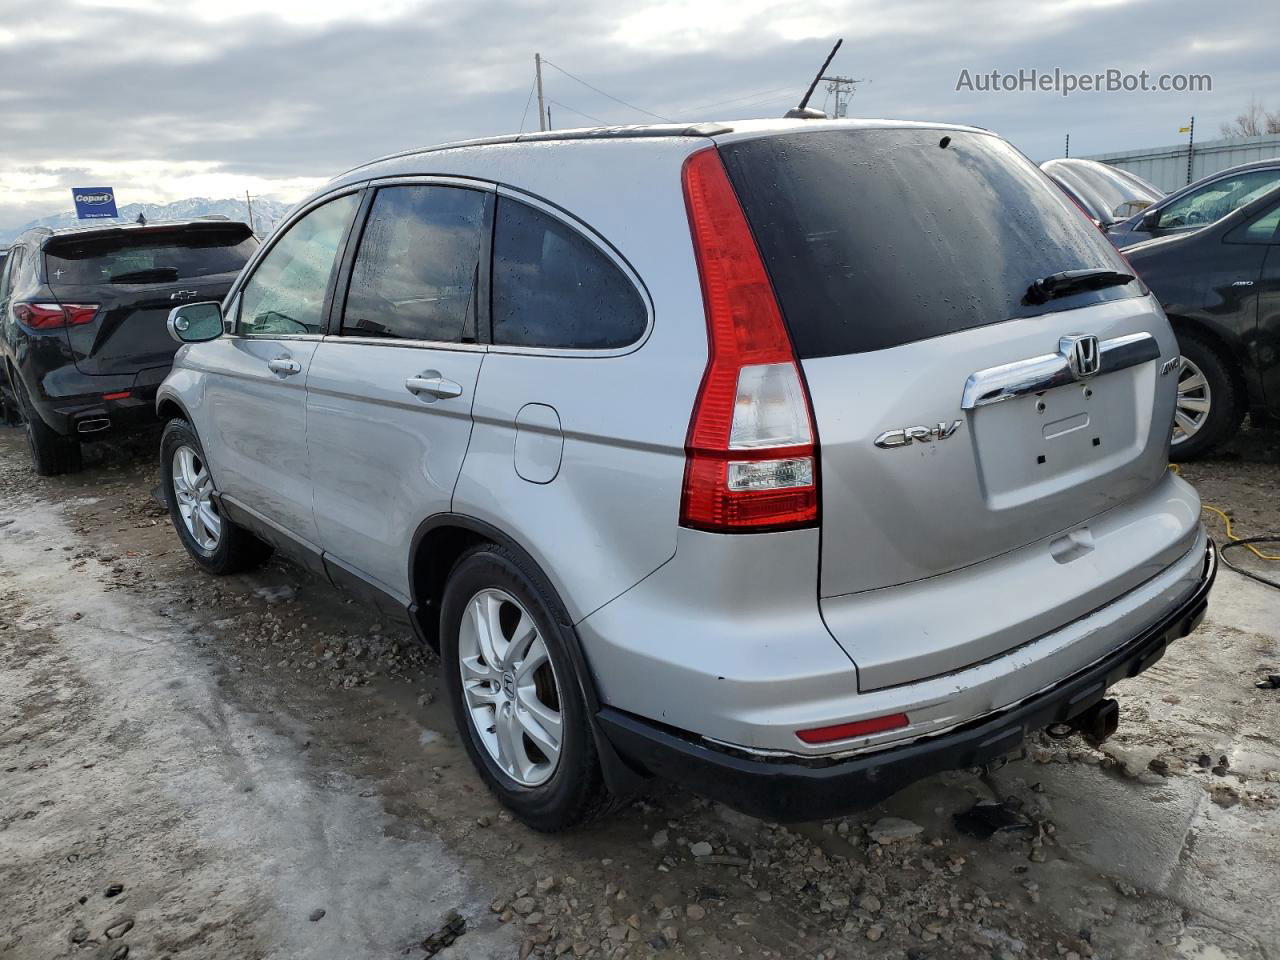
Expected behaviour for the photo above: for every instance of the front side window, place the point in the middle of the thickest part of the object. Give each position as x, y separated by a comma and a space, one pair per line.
552, 287
286, 293
418, 267
1215, 200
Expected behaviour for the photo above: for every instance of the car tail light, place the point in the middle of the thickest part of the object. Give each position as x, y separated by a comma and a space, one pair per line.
858, 728
750, 457
46, 316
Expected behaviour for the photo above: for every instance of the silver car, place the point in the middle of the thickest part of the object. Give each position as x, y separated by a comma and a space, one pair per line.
789, 460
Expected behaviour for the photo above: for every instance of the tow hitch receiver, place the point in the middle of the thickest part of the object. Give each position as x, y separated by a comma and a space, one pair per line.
1098, 722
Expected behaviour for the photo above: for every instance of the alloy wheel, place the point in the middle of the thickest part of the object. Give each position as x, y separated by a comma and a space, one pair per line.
1194, 399
193, 489
510, 687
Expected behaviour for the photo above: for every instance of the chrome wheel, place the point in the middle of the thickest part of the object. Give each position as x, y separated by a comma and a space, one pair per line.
510, 687
193, 489
1194, 398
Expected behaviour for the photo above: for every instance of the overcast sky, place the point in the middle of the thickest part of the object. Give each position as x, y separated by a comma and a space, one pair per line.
165, 99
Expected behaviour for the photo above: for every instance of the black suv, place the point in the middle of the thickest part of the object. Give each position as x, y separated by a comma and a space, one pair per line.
83, 311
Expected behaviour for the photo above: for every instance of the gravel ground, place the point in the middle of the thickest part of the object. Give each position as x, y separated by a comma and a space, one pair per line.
254, 767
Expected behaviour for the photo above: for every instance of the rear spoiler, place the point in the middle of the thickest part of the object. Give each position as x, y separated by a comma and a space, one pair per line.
234, 230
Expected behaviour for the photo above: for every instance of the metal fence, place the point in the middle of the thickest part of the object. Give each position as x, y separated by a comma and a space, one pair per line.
1166, 167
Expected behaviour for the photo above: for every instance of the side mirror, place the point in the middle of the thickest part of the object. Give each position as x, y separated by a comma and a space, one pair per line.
1150, 219
195, 322
1127, 209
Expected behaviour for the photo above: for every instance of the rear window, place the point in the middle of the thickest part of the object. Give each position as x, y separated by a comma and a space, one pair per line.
876, 238
162, 257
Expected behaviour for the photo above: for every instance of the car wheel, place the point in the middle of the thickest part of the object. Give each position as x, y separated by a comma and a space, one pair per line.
212, 540
1208, 409
516, 696
51, 452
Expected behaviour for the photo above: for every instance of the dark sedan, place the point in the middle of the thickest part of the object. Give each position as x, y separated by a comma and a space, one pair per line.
1220, 286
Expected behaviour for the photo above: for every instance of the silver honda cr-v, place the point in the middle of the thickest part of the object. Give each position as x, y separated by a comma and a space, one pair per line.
789, 460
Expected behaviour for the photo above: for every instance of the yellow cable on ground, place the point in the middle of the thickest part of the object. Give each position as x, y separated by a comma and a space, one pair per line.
1226, 520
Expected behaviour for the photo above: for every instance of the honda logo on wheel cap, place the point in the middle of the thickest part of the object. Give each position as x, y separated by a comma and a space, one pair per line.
1082, 354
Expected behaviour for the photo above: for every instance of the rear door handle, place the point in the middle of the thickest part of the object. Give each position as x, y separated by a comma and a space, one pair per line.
284, 366
433, 385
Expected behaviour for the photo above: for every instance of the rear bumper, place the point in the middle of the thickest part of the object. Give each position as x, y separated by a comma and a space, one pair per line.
81, 408
792, 788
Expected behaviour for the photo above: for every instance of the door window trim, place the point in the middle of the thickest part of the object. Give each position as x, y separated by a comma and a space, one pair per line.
333, 327
584, 230
246, 274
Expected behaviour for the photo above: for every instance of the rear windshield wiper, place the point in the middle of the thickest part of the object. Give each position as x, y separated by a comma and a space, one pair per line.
152, 275
1073, 281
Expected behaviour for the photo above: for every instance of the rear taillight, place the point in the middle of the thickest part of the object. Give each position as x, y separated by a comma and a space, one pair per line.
45, 316
750, 459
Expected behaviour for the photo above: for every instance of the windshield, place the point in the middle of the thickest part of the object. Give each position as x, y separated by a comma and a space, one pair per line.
1108, 194
161, 257
879, 237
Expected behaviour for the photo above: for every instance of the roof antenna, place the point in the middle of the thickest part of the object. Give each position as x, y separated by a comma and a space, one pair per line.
804, 111
141, 219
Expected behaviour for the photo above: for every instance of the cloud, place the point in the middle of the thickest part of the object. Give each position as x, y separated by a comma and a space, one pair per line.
169, 98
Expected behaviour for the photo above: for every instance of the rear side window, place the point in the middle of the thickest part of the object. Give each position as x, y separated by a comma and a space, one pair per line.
552, 287
165, 257
876, 238
418, 267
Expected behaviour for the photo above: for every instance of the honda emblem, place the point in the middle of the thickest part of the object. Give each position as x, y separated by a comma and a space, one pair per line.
1082, 354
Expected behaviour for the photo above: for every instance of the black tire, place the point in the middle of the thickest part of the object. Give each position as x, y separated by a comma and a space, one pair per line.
575, 791
51, 453
1226, 402
236, 549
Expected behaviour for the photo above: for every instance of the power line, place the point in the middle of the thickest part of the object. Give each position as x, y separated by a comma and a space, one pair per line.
650, 113
527, 101
603, 123
749, 96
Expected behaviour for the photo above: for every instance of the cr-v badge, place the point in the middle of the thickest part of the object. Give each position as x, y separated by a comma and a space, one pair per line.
906, 435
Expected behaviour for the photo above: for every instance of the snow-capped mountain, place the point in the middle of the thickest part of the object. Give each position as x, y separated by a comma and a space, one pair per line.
266, 214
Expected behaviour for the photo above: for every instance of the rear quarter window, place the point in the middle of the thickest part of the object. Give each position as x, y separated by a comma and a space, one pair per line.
876, 238
552, 287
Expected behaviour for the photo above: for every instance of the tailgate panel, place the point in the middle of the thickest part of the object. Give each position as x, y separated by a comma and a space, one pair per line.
904, 513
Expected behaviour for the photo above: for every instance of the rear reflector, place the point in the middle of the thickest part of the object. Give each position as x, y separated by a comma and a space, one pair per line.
858, 728
750, 458
115, 396
47, 316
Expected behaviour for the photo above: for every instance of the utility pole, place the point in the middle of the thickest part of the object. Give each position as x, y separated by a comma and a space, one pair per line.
839, 86
542, 109
248, 200
1067, 151
1191, 146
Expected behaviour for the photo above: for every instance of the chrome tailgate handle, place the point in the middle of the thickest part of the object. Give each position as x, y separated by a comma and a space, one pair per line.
1037, 374
433, 385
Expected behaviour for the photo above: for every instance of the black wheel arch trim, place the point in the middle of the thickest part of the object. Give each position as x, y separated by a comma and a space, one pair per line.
622, 778
163, 398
